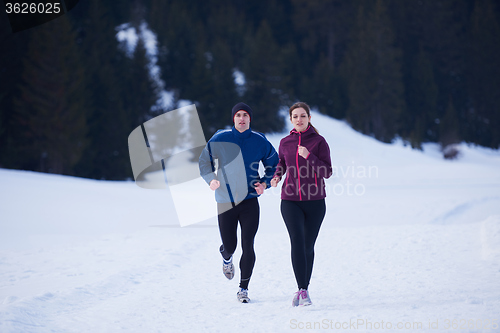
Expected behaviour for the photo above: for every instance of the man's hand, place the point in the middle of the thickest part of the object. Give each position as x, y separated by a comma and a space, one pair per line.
214, 184
275, 181
260, 187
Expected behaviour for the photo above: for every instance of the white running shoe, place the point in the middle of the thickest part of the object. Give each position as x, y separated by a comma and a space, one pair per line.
304, 299
242, 295
228, 268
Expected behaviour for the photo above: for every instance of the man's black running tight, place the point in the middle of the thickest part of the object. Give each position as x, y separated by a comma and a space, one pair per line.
247, 213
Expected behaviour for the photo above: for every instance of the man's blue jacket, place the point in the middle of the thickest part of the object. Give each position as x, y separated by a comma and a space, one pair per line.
236, 156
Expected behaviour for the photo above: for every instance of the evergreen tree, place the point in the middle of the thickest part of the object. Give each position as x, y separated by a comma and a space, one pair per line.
3, 126
106, 156
324, 27
178, 31
422, 94
436, 28
328, 90
215, 88
373, 72
322, 30
14, 50
441, 25
202, 88
142, 86
226, 25
139, 90
265, 80
484, 74
293, 75
449, 131
51, 108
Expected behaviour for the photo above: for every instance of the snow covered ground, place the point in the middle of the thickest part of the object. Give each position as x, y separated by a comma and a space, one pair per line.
410, 243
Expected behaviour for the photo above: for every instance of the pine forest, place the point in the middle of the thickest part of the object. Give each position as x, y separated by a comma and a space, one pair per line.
417, 70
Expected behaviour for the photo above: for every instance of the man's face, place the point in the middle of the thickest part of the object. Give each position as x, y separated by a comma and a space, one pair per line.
241, 121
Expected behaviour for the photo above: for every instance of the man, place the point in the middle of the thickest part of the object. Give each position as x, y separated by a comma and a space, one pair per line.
235, 154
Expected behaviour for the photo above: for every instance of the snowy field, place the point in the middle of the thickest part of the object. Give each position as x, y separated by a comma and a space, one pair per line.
410, 243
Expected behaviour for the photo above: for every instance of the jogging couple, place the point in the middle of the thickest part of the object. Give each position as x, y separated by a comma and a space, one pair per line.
230, 166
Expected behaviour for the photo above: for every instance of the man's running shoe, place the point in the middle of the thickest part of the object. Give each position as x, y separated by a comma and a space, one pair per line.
227, 265
228, 268
242, 295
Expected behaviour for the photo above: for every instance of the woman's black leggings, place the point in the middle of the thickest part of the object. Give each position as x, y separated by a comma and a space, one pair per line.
303, 220
247, 212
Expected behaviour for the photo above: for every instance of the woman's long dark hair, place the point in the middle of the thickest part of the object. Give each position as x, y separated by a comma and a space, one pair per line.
305, 107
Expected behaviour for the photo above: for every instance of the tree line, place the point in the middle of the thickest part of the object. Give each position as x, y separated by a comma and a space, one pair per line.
420, 70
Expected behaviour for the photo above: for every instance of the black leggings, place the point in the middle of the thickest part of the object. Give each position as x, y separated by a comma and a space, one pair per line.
247, 212
303, 220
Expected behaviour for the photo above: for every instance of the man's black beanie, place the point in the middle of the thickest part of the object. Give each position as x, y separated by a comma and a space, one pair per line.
241, 106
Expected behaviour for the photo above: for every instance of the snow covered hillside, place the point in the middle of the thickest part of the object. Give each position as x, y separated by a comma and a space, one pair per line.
410, 243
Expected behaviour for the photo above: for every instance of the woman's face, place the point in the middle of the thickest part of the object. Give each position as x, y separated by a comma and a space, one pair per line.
300, 119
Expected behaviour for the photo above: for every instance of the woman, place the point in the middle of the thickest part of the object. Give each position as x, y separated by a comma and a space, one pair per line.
304, 156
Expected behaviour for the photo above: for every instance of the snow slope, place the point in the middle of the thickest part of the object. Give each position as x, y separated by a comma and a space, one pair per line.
411, 242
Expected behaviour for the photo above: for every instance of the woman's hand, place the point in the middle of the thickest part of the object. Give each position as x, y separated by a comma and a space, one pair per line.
214, 184
303, 151
275, 181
